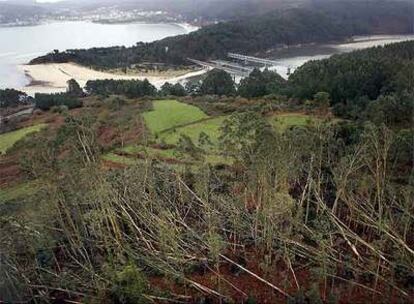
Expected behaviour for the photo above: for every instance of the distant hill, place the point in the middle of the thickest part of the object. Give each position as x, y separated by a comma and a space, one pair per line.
256, 34
370, 16
20, 11
233, 9
194, 9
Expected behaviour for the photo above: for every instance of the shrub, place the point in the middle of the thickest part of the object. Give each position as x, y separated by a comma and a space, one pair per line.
218, 82
46, 101
130, 286
59, 109
129, 88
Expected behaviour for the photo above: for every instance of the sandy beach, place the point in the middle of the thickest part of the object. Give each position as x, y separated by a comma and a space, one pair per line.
52, 78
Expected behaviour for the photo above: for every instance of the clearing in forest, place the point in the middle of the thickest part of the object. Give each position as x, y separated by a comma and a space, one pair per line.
281, 122
168, 114
7, 140
170, 119
211, 127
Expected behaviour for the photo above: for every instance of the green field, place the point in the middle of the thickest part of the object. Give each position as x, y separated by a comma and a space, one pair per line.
149, 151
17, 191
118, 159
281, 122
171, 119
171, 113
7, 140
211, 127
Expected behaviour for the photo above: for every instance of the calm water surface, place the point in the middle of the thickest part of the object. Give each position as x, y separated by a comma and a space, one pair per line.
21, 44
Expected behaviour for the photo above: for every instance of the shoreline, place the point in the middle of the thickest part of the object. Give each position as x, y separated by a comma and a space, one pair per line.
187, 26
53, 77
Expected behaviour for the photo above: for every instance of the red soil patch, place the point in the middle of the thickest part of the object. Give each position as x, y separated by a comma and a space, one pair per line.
108, 165
109, 136
10, 171
238, 285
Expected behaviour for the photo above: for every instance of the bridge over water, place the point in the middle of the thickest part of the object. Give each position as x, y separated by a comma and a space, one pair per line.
236, 69
231, 68
247, 59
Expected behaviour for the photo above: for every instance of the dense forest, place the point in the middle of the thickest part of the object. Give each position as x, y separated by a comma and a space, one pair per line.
10, 98
254, 34
353, 79
129, 88
369, 72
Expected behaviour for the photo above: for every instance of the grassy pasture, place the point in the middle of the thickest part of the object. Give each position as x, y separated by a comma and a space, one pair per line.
7, 140
148, 151
17, 191
168, 114
118, 159
211, 127
170, 119
281, 122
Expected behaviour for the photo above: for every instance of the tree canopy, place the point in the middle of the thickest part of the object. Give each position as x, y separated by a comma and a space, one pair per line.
259, 84
370, 72
74, 89
129, 88
47, 101
218, 82
12, 98
173, 89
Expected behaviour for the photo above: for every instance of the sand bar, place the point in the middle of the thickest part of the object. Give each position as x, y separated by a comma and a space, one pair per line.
53, 77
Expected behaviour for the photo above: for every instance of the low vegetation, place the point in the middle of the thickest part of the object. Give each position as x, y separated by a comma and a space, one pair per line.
209, 128
168, 114
7, 140
280, 198
16, 192
118, 159
281, 122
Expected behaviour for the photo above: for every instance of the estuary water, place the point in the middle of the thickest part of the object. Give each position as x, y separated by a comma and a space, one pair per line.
18, 45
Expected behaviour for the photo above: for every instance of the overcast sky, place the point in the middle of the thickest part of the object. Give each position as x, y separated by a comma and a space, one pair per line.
43, 1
